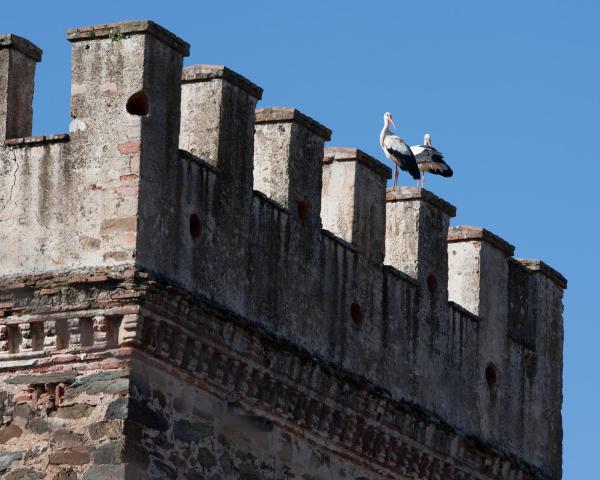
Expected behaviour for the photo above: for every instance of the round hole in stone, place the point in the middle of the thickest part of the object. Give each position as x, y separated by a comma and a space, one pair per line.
195, 226
432, 282
356, 312
303, 210
491, 375
138, 104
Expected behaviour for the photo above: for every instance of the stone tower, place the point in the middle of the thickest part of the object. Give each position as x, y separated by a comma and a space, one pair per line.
191, 288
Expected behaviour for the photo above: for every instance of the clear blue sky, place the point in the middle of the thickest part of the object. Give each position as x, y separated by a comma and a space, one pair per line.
509, 91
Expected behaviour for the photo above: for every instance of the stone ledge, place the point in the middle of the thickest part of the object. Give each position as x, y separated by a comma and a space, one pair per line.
339, 240
465, 234
286, 114
185, 155
36, 140
129, 27
463, 311
346, 154
22, 45
265, 199
203, 73
67, 376
403, 194
544, 269
405, 277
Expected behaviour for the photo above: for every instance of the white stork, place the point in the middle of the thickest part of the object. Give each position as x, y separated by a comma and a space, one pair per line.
397, 151
429, 159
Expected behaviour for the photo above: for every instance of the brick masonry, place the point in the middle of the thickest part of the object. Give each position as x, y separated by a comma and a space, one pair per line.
200, 388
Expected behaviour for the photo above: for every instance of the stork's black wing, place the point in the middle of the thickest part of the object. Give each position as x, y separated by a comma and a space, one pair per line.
437, 164
402, 155
431, 160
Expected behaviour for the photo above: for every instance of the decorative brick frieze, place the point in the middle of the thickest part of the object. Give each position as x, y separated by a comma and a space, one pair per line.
235, 359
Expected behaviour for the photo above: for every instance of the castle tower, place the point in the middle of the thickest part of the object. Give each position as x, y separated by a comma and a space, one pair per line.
194, 288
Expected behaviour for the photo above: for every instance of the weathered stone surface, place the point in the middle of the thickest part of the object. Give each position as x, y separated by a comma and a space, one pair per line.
206, 458
58, 377
117, 409
226, 464
109, 453
67, 439
69, 457
160, 398
26, 473
105, 472
18, 58
23, 411
179, 405
102, 382
185, 431
8, 432
136, 455
141, 413
110, 429
7, 459
166, 471
137, 412
66, 474
79, 410
38, 425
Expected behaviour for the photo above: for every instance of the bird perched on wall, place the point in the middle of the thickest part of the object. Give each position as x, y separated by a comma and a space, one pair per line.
397, 151
429, 159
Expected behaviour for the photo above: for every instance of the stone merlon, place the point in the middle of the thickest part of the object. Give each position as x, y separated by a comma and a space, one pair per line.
115, 31
202, 73
345, 154
22, 45
547, 270
280, 115
462, 233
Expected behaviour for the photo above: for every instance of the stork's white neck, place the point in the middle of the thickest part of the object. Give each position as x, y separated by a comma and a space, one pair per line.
385, 131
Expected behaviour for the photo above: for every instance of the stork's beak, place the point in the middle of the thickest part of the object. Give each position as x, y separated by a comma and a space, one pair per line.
392, 122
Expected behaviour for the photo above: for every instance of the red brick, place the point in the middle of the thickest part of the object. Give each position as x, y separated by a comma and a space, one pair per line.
129, 147
48, 291
131, 176
87, 279
119, 296
134, 164
113, 225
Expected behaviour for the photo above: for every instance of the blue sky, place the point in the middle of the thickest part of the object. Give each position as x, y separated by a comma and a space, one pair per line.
509, 91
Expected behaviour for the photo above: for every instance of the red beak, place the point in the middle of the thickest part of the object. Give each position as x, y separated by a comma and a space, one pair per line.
392, 122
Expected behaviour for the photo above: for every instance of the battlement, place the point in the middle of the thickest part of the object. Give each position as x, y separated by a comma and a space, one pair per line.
173, 172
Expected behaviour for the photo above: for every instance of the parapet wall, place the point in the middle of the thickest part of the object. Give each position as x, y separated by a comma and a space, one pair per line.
172, 171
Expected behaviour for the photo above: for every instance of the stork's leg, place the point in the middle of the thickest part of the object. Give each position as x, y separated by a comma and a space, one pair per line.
395, 175
423, 180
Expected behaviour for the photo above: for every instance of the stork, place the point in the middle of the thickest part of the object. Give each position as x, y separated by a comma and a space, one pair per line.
429, 159
397, 151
